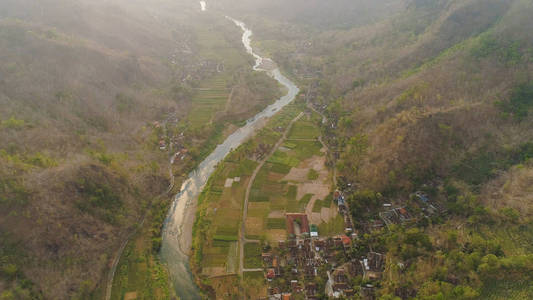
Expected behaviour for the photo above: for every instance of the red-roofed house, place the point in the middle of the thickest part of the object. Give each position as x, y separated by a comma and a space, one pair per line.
297, 224
271, 274
346, 241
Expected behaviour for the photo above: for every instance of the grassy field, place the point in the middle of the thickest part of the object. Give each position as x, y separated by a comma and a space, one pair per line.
276, 223
254, 275
252, 255
507, 290
221, 207
212, 94
277, 195
318, 206
254, 285
305, 128
333, 227
140, 272
208, 100
312, 175
305, 199
214, 46
224, 214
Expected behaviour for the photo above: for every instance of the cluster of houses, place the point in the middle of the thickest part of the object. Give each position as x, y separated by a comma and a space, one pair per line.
310, 266
345, 213
307, 266
403, 215
174, 142
428, 206
293, 268
397, 215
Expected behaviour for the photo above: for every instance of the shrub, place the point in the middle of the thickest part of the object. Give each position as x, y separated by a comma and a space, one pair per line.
124, 103
10, 270
505, 51
99, 199
510, 214
312, 175
40, 160
519, 103
7, 295
13, 123
12, 191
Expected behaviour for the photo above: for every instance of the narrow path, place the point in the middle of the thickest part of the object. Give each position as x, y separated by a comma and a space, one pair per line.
228, 102
326, 146
253, 270
116, 260
303, 140
242, 233
111, 276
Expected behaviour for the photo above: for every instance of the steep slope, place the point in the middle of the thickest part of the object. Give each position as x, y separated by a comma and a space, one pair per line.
435, 98
89, 92
431, 64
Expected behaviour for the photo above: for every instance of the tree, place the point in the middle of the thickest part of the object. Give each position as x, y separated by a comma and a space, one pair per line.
7, 295
10, 270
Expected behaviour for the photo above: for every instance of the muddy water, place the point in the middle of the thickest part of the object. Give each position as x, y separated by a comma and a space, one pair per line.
177, 232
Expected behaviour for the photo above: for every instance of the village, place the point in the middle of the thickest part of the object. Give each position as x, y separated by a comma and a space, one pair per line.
280, 221
310, 266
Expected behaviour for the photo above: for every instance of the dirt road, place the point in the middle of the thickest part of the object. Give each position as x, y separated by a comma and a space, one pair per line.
242, 233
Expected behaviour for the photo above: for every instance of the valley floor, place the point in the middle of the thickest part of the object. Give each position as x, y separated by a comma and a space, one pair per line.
274, 188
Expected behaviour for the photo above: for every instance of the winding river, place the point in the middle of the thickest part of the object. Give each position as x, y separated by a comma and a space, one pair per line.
177, 232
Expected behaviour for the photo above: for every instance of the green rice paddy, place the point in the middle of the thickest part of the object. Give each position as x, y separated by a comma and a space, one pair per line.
269, 192
276, 223
304, 129
208, 100
252, 255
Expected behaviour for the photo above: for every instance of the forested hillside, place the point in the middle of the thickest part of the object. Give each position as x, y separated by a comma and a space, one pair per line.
427, 110
432, 96
95, 96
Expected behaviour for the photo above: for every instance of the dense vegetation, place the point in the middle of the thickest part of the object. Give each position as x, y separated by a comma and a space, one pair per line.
419, 95
89, 90
431, 96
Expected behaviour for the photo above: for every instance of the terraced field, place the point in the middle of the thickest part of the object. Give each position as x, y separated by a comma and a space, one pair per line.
225, 209
214, 46
306, 128
293, 179
213, 93
221, 202
208, 100
283, 185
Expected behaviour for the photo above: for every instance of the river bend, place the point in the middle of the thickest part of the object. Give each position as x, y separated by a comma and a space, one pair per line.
177, 232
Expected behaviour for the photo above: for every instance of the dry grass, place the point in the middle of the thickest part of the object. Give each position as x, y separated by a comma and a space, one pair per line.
513, 189
276, 235
254, 226
87, 80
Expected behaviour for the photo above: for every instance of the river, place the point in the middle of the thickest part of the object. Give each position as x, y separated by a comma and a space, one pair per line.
177, 232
